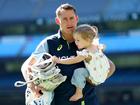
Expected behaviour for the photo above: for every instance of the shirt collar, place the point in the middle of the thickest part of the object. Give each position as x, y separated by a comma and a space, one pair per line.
60, 35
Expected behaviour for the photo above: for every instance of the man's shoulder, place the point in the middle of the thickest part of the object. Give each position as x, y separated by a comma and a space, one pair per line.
53, 37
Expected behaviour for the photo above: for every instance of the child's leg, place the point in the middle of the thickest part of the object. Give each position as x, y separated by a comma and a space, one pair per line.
79, 80
77, 95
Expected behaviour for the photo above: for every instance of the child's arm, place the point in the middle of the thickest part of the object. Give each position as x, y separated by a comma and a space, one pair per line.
73, 60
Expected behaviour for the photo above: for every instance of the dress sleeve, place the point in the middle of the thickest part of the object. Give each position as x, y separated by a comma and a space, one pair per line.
83, 53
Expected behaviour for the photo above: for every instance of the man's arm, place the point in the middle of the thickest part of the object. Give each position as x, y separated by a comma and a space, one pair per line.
111, 71
25, 69
72, 60
112, 68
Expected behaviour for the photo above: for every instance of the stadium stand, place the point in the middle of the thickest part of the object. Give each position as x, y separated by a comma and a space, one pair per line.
121, 44
10, 45
105, 9
23, 46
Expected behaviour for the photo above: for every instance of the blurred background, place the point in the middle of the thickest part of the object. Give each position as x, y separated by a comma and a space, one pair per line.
24, 23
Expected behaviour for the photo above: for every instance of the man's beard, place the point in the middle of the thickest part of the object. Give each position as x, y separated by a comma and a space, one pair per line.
71, 31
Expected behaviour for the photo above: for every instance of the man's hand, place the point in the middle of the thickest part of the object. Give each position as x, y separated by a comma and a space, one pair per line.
35, 89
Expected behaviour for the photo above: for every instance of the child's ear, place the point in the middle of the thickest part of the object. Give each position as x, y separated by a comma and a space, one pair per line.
57, 20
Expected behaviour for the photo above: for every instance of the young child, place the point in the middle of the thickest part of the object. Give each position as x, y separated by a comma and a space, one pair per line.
96, 62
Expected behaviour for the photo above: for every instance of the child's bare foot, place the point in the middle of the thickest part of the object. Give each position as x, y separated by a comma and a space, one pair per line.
78, 94
76, 97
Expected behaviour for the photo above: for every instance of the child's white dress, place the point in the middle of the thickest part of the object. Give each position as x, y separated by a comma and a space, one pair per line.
98, 66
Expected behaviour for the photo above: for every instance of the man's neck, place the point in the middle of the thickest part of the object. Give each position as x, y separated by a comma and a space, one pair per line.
67, 37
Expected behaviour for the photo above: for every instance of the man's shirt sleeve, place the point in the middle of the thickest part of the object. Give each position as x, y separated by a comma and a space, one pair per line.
41, 48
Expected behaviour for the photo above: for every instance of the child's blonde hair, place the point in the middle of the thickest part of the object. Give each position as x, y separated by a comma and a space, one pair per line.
88, 32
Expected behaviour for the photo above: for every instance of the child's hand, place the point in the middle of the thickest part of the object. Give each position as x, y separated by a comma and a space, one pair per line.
55, 59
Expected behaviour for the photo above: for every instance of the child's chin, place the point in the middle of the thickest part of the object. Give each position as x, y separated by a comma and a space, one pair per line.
79, 48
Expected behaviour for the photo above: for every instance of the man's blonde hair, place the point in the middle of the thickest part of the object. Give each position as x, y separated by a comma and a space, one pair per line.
66, 6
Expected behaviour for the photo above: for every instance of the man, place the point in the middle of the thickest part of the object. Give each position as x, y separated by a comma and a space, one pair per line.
62, 45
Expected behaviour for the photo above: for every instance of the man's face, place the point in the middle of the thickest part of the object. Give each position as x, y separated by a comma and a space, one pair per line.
67, 21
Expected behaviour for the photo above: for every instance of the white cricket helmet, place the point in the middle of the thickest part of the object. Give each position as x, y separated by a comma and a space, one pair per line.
43, 63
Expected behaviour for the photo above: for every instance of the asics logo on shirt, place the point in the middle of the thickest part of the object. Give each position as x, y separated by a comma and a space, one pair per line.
59, 47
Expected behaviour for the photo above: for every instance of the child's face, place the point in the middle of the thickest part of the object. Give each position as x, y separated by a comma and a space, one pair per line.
80, 42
